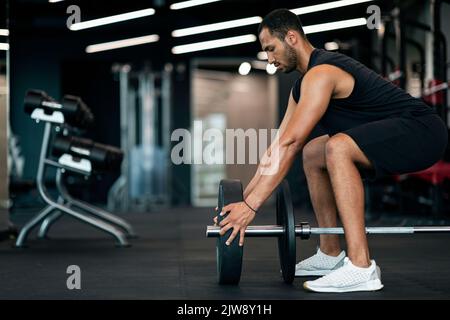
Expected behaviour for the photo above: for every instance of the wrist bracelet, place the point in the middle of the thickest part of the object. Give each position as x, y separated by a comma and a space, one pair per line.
249, 206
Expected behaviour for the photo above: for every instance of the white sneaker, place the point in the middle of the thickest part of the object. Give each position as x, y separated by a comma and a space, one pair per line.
319, 264
348, 278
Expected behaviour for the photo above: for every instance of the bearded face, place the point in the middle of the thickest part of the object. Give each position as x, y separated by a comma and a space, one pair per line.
279, 53
290, 58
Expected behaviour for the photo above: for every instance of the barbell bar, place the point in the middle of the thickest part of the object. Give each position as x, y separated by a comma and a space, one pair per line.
304, 230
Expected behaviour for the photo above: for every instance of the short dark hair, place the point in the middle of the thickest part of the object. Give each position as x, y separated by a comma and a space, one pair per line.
279, 22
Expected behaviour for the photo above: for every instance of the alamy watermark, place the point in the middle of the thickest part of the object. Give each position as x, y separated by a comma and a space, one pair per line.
228, 146
374, 20
74, 280
75, 15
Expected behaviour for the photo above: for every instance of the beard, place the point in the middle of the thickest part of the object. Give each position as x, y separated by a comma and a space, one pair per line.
291, 58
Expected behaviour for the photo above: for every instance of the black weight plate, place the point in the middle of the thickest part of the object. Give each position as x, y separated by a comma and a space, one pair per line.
286, 242
229, 258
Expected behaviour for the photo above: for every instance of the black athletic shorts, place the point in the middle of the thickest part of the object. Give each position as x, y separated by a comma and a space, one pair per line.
401, 144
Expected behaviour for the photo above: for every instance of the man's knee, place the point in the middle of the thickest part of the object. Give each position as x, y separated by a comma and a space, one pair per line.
308, 153
314, 153
337, 148
342, 147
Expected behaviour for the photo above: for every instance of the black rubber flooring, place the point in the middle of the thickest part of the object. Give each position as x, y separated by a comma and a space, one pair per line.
172, 259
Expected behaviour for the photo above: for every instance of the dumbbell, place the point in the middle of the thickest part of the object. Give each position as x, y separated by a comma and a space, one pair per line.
76, 112
104, 158
229, 258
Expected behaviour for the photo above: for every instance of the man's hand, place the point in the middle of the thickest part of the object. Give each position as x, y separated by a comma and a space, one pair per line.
239, 217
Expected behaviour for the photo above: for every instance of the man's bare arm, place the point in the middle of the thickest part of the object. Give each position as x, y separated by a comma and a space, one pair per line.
317, 89
287, 117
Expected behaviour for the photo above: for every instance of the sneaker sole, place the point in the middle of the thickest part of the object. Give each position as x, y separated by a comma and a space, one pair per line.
373, 285
307, 273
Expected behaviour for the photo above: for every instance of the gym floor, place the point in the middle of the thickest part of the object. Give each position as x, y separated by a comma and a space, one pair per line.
172, 259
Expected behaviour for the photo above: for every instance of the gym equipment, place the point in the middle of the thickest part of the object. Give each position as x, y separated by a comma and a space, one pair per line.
229, 258
5, 134
102, 157
145, 127
286, 231
72, 110
77, 155
436, 62
68, 201
286, 240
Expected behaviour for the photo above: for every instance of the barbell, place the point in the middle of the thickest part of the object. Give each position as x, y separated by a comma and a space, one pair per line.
229, 258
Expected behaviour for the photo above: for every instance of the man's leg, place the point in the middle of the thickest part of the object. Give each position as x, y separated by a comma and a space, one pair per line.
342, 157
321, 192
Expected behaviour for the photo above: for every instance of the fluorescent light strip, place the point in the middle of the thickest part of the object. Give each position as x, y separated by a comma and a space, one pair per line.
54, 1
4, 32
252, 38
122, 43
327, 6
4, 46
260, 65
335, 25
206, 45
191, 3
216, 26
112, 19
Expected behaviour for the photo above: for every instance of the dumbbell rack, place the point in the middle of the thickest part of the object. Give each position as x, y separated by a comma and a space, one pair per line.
66, 204
71, 202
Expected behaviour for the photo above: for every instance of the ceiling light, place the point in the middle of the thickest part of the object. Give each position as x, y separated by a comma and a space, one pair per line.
212, 44
331, 46
262, 55
244, 68
216, 26
271, 69
4, 46
260, 65
112, 19
335, 25
191, 3
122, 43
327, 6
4, 32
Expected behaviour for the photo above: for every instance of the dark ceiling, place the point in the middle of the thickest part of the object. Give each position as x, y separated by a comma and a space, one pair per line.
40, 20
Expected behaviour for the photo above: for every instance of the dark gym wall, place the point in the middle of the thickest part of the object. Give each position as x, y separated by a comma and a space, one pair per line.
446, 29
31, 67
94, 82
181, 118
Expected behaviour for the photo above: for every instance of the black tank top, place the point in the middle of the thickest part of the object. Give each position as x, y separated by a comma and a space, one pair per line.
373, 98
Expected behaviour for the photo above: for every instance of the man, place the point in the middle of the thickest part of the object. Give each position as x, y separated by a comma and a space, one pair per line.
373, 129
